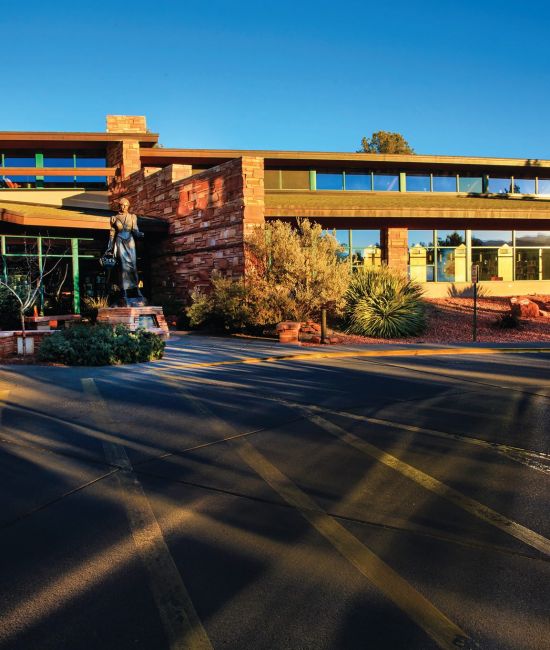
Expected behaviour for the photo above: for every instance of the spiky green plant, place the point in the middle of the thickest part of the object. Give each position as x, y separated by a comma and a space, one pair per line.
384, 304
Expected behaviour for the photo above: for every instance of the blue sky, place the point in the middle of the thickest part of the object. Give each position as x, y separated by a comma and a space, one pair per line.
466, 78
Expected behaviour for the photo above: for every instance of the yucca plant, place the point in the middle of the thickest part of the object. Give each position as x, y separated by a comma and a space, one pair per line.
384, 304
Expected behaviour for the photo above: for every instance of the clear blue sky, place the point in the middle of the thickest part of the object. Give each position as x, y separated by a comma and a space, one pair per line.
458, 78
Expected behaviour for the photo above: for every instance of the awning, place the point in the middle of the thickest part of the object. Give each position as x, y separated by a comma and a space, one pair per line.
26, 214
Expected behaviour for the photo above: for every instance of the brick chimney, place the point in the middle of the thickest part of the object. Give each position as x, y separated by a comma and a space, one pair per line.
126, 124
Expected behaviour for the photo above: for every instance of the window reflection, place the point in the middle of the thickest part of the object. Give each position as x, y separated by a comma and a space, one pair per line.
358, 181
444, 183
330, 181
386, 182
500, 185
418, 183
470, 184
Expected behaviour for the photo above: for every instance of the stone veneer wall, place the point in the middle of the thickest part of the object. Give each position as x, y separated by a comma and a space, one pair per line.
209, 215
8, 341
395, 248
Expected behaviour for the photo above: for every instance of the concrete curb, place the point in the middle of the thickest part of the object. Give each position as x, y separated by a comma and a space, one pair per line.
416, 352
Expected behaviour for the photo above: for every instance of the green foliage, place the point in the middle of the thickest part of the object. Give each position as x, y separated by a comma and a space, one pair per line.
225, 307
384, 304
91, 305
292, 273
385, 142
508, 321
101, 345
10, 318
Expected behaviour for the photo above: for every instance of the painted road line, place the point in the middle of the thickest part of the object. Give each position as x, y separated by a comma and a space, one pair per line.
522, 533
181, 622
533, 459
436, 624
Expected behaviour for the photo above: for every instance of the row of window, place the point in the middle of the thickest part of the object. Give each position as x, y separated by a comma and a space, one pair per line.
71, 161
299, 179
447, 255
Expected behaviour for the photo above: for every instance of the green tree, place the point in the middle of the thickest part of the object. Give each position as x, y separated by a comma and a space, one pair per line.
385, 142
292, 273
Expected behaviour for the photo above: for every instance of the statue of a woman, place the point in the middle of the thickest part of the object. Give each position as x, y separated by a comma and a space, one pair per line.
122, 245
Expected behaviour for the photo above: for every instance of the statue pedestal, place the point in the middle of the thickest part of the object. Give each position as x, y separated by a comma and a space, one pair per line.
150, 318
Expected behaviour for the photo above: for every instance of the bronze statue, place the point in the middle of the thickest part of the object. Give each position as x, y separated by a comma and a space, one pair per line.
122, 245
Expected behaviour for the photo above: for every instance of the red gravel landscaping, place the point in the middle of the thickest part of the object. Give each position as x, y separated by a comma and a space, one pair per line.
450, 321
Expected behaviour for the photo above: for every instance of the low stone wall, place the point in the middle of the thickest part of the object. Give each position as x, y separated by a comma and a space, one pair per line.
8, 341
488, 288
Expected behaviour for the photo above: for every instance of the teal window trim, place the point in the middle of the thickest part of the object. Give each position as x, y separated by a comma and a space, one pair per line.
431, 182
344, 181
39, 162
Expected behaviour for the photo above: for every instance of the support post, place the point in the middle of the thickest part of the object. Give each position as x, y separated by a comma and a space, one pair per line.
323, 325
76, 276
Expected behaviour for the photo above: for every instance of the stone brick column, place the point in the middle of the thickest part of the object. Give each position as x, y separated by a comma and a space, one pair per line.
124, 154
395, 248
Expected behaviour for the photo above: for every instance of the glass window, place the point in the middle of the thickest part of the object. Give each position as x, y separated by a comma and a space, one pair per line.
418, 183
446, 265
386, 182
470, 184
451, 237
424, 238
65, 161
500, 185
272, 179
487, 260
527, 264
330, 181
524, 185
544, 186
358, 181
363, 238
295, 179
20, 161
491, 237
21, 246
83, 160
54, 247
444, 183
532, 238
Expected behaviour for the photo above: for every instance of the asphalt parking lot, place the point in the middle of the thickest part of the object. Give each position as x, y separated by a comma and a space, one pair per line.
202, 502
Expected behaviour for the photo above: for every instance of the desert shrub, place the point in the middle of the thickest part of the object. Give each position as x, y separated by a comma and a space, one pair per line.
101, 345
291, 274
9, 310
507, 321
225, 307
384, 304
92, 304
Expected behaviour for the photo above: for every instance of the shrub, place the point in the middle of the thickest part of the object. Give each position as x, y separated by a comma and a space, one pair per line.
507, 321
384, 304
9, 310
291, 274
101, 345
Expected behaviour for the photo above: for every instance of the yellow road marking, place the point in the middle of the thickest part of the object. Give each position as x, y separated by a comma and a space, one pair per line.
522, 533
181, 622
436, 624
518, 454
306, 356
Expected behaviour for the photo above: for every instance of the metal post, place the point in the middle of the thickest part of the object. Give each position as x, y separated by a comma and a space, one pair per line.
76, 276
40, 272
475, 312
323, 325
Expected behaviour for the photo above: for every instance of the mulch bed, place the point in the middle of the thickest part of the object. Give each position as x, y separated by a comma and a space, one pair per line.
450, 321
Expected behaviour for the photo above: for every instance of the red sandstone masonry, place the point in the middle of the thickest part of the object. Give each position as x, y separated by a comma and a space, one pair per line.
209, 215
126, 124
395, 248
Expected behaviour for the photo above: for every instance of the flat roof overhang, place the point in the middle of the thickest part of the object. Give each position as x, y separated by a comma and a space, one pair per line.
74, 140
338, 160
401, 206
32, 215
